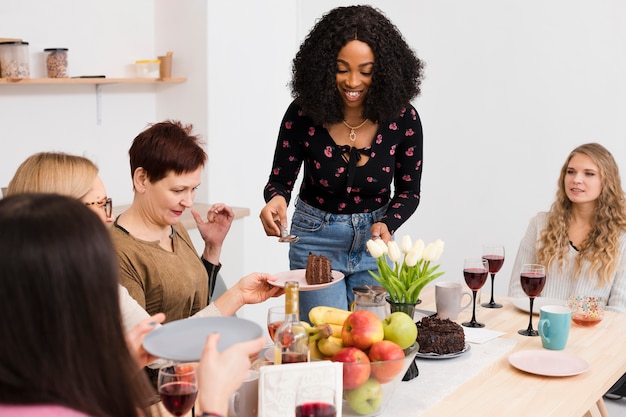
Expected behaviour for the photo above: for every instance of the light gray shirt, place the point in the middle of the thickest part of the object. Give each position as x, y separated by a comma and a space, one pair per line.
562, 284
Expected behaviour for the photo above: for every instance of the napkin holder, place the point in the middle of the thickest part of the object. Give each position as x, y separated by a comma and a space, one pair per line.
278, 385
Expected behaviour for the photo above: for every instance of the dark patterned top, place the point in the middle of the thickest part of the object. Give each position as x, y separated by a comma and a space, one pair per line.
336, 186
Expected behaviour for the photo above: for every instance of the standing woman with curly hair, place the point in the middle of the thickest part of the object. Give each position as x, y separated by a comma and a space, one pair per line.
582, 239
353, 126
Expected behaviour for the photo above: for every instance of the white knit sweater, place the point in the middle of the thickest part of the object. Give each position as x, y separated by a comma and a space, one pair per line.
560, 285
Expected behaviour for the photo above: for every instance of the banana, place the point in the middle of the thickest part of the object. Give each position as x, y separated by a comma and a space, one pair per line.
326, 314
314, 351
330, 346
336, 328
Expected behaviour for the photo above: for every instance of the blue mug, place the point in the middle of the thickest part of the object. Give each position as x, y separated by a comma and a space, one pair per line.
554, 324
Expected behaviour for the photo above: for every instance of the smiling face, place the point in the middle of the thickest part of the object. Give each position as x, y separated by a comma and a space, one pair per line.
582, 180
355, 63
169, 197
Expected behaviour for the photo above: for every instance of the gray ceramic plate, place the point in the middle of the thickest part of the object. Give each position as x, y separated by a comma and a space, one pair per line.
183, 340
432, 355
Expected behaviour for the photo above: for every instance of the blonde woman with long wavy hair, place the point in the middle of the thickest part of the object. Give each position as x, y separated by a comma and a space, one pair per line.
582, 239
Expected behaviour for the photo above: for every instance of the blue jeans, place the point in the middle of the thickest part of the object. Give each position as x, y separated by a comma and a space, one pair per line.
342, 239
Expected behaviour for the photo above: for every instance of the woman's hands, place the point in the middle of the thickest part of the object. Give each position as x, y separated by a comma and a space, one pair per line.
256, 288
135, 336
275, 209
380, 230
251, 289
221, 373
214, 229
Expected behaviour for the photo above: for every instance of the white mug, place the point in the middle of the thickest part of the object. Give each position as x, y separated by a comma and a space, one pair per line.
245, 401
448, 296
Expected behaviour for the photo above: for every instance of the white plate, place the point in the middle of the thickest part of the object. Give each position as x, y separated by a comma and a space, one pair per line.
524, 303
548, 362
183, 340
299, 275
432, 355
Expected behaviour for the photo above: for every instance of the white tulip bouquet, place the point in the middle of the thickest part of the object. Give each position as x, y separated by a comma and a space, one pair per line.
411, 270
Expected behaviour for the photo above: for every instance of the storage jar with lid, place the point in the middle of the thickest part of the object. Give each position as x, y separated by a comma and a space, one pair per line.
56, 62
14, 60
148, 68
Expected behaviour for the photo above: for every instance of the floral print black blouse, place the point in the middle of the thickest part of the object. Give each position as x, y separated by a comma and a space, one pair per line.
333, 185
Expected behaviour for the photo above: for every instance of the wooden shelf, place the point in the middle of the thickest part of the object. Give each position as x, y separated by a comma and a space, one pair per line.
97, 82
91, 81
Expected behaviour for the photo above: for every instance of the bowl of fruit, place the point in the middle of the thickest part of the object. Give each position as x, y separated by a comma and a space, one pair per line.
375, 354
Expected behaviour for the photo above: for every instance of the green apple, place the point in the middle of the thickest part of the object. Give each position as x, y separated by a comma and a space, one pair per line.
400, 329
365, 399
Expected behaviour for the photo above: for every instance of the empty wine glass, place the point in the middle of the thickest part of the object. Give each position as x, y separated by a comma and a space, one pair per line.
494, 254
532, 278
178, 387
475, 272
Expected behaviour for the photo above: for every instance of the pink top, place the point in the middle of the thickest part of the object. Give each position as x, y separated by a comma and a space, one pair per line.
38, 411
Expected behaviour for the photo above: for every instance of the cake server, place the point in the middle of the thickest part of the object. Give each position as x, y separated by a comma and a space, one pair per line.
284, 235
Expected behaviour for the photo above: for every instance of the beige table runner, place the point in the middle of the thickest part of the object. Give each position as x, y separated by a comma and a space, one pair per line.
440, 377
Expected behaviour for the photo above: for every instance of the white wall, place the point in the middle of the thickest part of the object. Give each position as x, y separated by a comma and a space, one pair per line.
101, 40
510, 89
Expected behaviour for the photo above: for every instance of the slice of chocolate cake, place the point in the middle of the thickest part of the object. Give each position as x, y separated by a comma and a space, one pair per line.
318, 270
439, 336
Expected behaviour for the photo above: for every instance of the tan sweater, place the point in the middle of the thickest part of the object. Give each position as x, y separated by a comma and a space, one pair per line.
175, 283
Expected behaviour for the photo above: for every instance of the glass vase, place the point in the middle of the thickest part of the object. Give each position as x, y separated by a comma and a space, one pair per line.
408, 308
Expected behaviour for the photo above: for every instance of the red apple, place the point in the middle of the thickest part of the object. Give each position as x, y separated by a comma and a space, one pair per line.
386, 350
356, 368
361, 329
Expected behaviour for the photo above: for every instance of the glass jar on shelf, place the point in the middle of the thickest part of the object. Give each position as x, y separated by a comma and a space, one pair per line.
14, 60
56, 62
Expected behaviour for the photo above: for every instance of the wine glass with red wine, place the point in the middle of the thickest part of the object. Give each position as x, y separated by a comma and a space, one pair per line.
494, 254
533, 279
475, 272
316, 401
178, 387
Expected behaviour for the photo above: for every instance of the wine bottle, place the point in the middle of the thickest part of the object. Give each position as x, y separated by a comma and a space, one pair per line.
291, 340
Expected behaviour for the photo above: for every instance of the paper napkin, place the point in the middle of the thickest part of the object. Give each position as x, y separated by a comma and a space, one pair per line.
278, 385
480, 335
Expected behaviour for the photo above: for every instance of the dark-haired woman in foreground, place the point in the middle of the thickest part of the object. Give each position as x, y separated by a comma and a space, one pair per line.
63, 352
353, 126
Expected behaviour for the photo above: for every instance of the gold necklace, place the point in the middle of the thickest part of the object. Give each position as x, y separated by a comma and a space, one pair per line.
353, 129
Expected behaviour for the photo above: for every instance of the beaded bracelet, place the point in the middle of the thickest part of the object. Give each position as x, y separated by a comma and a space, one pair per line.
210, 414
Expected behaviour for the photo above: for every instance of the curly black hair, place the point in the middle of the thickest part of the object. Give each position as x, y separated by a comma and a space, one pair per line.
396, 76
